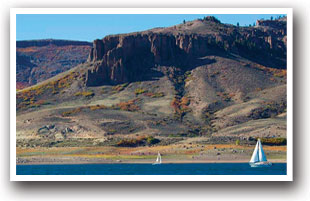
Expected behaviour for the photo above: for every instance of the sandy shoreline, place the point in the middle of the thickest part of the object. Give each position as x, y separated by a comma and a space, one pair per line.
145, 155
146, 162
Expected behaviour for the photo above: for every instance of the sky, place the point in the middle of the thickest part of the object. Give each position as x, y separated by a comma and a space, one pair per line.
88, 27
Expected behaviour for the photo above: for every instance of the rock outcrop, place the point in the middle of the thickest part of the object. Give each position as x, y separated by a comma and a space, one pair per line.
130, 57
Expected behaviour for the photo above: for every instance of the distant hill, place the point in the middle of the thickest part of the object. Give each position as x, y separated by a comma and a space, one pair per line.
200, 82
38, 60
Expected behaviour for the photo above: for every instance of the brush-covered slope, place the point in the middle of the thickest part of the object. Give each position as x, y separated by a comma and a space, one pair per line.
201, 81
38, 60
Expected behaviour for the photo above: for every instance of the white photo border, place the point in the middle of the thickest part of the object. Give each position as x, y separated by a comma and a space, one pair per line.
206, 11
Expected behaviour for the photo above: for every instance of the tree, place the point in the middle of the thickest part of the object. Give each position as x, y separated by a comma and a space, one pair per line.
151, 140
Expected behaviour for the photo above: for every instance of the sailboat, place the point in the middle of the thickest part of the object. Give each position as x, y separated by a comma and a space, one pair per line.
258, 157
158, 159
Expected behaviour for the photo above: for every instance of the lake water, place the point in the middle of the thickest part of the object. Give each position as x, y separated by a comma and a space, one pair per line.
149, 169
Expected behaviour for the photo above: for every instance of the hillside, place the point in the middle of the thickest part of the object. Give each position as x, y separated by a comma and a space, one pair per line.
196, 83
38, 60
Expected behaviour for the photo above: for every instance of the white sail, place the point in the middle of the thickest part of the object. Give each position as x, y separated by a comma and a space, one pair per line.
262, 156
158, 159
255, 155
259, 158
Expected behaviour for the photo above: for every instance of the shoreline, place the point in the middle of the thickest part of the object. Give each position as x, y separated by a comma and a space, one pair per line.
148, 162
145, 155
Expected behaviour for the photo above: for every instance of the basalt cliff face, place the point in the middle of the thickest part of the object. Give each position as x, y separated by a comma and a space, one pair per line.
130, 57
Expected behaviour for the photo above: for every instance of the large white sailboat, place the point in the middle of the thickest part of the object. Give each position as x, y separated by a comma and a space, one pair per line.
158, 159
259, 158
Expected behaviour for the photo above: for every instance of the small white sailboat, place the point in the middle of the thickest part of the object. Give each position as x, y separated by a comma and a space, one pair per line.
258, 157
158, 159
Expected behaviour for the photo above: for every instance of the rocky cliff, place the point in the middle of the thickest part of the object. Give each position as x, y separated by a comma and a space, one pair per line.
129, 57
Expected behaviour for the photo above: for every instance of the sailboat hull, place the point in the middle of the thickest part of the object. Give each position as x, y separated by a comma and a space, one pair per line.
261, 164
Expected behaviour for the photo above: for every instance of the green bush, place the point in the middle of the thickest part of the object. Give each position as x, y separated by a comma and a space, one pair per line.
129, 143
140, 91
154, 95
140, 141
151, 140
85, 94
273, 141
120, 87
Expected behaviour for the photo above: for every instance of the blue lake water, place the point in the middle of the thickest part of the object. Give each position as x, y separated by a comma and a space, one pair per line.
149, 169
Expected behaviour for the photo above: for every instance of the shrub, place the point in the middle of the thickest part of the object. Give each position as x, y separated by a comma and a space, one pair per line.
140, 91
214, 74
140, 141
225, 96
38, 103
273, 141
120, 87
180, 106
151, 140
185, 101
111, 131
128, 106
154, 95
258, 89
280, 73
188, 76
85, 94
71, 112
129, 143
97, 107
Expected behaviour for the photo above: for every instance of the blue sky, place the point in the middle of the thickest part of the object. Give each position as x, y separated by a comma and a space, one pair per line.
87, 27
